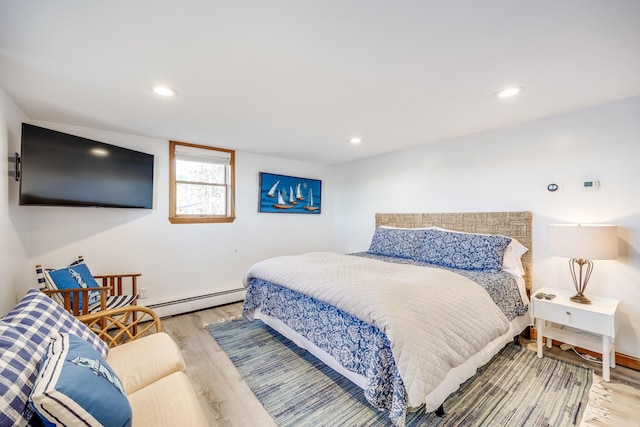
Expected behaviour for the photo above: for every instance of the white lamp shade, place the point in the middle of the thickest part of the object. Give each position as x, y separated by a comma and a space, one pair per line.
583, 241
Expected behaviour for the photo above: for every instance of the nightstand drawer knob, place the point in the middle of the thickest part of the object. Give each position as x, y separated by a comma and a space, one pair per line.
568, 313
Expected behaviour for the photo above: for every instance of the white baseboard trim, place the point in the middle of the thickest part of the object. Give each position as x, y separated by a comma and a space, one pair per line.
199, 302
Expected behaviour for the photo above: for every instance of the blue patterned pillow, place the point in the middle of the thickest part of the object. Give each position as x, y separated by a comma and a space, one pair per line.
464, 251
75, 386
18, 371
77, 275
397, 242
37, 317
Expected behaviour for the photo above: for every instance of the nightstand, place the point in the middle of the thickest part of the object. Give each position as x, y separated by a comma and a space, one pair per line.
590, 326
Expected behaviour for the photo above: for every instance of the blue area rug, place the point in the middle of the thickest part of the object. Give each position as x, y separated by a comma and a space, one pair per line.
514, 389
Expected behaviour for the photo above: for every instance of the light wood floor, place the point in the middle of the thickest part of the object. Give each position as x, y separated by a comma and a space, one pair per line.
228, 401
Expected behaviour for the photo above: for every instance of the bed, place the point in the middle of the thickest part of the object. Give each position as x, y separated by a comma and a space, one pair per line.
435, 297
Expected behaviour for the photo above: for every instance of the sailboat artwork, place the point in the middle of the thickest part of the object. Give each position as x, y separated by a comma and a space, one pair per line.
292, 199
281, 203
281, 193
299, 193
272, 191
310, 206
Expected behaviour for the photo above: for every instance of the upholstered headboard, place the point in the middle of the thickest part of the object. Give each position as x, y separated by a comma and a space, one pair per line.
511, 224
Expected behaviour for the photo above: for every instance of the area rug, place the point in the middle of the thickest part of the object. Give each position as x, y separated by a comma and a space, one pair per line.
514, 389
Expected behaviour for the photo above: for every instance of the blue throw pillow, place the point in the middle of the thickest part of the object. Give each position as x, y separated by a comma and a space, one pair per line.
75, 276
75, 386
397, 242
464, 251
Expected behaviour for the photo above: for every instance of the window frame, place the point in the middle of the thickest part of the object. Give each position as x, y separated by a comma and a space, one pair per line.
175, 218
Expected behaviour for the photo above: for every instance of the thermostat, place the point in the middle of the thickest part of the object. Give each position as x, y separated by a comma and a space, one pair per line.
591, 185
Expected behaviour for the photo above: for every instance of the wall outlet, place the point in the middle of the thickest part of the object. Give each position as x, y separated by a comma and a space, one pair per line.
143, 292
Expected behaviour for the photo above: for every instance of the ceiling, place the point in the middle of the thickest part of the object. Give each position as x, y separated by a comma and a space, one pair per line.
297, 78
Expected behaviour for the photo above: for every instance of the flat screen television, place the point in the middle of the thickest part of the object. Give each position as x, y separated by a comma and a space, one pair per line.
58, 169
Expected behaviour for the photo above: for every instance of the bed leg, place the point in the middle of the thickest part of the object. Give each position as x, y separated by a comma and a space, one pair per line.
516, 340
440, 411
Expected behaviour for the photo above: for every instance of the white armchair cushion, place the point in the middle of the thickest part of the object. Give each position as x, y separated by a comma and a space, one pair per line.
143, 361
170, 401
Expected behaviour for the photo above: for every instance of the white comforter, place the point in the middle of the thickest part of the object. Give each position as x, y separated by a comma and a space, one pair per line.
434, 319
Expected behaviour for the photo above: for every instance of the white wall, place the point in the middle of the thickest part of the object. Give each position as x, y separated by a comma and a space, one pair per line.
509, 169
506, 169
182, 260
13, 224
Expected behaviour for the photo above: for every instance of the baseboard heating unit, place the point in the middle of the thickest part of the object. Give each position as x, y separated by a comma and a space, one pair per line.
197, 302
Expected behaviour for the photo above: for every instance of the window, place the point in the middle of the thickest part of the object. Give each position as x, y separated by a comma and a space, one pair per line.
201, 187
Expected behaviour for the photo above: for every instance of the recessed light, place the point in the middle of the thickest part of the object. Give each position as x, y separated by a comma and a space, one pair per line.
508, 92
355, 140
99, 152
165, 91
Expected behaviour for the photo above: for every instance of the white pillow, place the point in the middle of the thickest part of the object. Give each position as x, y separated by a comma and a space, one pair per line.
512, 260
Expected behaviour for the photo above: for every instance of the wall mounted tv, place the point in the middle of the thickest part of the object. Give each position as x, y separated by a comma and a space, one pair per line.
58, 169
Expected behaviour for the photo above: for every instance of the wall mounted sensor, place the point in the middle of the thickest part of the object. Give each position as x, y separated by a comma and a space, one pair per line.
591, 184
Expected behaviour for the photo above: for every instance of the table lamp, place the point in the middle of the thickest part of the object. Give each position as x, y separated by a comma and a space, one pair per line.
583, 243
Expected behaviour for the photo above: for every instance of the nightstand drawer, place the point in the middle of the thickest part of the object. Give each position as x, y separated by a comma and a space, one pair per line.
599, 323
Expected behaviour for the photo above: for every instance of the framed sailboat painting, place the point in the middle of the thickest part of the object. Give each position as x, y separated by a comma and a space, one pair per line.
289, 194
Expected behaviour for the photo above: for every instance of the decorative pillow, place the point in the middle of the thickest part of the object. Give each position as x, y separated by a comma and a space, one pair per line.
45, 282
76, 386
464, 251
37, 317
18, 371
512, 259
397, 242
75, 276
